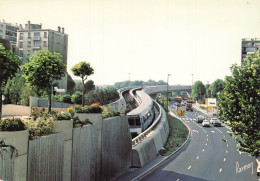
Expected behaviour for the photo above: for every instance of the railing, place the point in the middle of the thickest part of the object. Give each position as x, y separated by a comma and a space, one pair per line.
144, 134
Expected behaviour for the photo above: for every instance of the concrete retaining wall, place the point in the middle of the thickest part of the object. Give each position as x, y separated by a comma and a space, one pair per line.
116, 147
15, 110
45, 158
147, 150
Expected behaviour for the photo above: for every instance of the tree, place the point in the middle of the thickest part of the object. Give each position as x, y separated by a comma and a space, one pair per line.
66, 98
239, 103
216, 87
89, 86
76, 97
198, 90
9, 63
43, 69
82, 70
71, 85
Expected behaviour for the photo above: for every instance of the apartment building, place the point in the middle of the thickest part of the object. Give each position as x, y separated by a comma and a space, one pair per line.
8, 31
249, 45
33, 38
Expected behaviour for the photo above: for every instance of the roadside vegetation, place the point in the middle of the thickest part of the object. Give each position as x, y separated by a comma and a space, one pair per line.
177, 135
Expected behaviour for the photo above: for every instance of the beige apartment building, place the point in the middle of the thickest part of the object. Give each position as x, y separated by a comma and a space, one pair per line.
33, 38
249, 45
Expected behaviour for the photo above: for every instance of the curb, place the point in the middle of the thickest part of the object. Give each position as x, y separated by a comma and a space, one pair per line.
139, 177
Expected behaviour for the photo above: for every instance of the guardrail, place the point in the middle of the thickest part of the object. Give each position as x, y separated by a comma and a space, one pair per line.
144, 134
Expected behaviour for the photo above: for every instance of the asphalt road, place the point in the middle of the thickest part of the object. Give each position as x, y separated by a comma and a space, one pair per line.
206, 156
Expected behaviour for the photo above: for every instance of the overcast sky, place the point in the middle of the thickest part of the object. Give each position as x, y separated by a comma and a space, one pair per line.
146, 38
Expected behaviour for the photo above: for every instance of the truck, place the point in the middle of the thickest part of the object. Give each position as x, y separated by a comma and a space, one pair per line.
188, 106
178, 99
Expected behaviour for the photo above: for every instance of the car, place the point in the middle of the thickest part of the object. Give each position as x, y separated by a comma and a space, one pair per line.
182, 103
211, 121
177, 104
200, 119
205, 123
217, 123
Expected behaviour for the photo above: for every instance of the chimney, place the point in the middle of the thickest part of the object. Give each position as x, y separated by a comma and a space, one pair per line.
63, 30
58, 28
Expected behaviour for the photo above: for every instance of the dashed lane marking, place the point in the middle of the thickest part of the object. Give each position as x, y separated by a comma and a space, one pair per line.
219, 130
226, 151
220, 170
198, 157
189, 167
227, 145
207, 139
203, 150
224, 159
206, 144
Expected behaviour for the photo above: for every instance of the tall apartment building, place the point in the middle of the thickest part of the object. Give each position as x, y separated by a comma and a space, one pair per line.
249, 45
8, 31
33, 38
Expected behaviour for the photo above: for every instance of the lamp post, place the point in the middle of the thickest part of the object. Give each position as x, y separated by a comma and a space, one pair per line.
167, 90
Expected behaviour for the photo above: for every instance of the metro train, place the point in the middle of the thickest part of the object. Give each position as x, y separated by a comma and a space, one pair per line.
141, 117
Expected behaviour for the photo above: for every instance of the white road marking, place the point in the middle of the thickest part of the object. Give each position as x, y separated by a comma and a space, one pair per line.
220, 170
226, 151
189, 167
212, 131
227, 145
207, 139
195, 131
206, 144
207, 135
219, 130
198, 157
224, 159
178, 179
203, 150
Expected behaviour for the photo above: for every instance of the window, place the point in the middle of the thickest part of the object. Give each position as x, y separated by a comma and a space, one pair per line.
21, 45
20, 53
45, 34
45, 43
21, 36
29, 51
36, 43
37, 34
29, 35
29, 44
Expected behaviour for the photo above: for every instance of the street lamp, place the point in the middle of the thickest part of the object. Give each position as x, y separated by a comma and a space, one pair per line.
167, 90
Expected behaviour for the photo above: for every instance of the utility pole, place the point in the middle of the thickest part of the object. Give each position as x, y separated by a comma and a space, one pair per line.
167, 90
192, 79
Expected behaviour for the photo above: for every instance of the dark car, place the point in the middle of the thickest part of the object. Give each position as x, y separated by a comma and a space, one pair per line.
217, 123
200, 119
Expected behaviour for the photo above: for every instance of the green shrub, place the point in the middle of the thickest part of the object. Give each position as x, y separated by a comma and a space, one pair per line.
108, 111
66, 98
12, 124
39, 127
77, 123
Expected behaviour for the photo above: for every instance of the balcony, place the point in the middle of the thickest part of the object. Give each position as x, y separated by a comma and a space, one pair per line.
36, 38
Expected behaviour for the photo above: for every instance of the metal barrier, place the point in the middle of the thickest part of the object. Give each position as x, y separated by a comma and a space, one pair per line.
144, 134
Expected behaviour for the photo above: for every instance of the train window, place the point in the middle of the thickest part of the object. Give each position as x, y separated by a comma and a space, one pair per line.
137, 121
131, 122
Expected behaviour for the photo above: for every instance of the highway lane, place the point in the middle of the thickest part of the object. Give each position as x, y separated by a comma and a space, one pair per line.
206, 156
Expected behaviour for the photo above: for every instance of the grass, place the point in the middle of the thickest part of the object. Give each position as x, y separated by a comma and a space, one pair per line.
177, 136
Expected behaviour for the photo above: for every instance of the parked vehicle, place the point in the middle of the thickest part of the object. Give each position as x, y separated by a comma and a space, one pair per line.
188, 107
182, 103
177, 104
205, 123
217, 123
200, 119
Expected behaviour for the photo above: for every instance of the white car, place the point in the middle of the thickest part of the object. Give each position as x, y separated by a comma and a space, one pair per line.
212, 120
205, 123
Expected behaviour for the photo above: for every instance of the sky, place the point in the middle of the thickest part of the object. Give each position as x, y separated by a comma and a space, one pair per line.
146, 39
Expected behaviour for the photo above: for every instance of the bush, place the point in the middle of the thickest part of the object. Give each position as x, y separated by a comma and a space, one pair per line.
108, 111
63, 116
66, 98
36, 112
12, 124
40, 127
77, 97
85, 109
77, 123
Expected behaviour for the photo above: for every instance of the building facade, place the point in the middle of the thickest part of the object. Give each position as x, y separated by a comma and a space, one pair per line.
8, 31
249, 46
33, 38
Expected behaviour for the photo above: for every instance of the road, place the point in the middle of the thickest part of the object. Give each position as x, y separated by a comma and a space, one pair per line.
206, 156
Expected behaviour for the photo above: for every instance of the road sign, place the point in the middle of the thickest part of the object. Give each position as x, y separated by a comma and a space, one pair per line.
210, 107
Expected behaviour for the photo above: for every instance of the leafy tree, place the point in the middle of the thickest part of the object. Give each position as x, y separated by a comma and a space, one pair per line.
43, 69
239, 103
76, 97
208, 90
198, 90
103, 96
89, 86
82, 70
9, 63
216, 87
